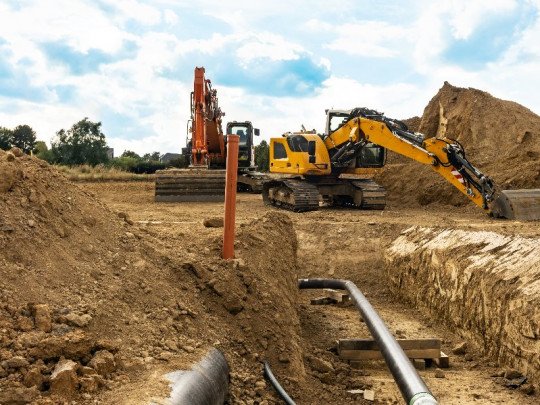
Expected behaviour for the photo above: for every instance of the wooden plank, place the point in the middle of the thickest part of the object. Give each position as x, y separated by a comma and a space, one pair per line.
365, 349
322, 301
419, 364
377, 355
443, 361
406, 344
340, 297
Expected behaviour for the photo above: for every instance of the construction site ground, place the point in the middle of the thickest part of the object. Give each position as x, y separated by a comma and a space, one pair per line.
332, 243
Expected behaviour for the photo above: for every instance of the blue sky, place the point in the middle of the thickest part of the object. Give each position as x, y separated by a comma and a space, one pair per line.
279, 64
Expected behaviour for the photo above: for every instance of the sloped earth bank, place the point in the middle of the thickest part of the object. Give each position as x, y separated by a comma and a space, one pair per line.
501, 138
483, 283
331, 243
92, 303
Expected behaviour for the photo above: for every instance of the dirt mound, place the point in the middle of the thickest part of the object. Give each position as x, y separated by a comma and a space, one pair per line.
91, 301
501, 138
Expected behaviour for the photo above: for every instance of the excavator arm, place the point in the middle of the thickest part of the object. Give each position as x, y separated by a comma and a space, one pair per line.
445, 156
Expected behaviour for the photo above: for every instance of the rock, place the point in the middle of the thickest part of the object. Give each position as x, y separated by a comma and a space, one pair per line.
91, 383
33, 378
42, 317
469, 357
528, 389
103, 362
85, 371
320, 365
3, 373
171, 345
460, 348
439, 374
25, 324
15, 363
233, 304
64, 381
18, 395
16, 151
213, 222
512, 374
31, 223
165, 356
125, 217
10, 157
188, 349
78, 320
283, 358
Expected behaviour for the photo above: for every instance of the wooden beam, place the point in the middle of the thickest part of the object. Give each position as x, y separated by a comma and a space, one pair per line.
341, 297
366, 349
443, 361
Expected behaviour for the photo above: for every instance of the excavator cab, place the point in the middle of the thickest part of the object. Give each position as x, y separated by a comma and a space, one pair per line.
246, 150
370, 156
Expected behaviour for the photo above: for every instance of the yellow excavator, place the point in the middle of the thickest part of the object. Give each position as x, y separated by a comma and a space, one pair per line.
337, 167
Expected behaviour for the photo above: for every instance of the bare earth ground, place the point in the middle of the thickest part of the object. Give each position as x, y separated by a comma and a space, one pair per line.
338, 244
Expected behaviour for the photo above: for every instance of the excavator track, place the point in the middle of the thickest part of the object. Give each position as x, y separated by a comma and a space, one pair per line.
293, 195
373, 194
190, 185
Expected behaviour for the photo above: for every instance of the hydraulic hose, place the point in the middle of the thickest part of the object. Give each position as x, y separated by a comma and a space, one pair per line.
277, 386
411, 385
207, 383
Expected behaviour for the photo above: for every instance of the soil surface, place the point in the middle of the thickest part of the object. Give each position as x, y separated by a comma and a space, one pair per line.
339, 244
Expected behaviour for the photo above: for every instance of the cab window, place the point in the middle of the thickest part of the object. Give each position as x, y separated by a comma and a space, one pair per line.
279, 151
297, 143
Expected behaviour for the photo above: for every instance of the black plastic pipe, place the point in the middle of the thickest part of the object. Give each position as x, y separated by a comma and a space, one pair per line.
411, 385
277, 386
207, 383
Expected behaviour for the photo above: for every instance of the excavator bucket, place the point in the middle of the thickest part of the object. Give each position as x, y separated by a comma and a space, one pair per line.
190, 185
523, 205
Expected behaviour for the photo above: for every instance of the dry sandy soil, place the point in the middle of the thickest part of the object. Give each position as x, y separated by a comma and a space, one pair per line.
344, 244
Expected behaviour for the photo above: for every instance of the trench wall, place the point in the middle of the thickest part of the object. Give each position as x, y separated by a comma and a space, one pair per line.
485, 284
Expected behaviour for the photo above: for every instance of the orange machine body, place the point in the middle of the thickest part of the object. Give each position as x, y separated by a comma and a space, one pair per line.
207, 141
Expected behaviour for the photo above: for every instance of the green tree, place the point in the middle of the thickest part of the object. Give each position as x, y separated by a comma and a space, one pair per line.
262, 152
130, 154
154, 156
24, 137
40, 147
6, 135
42, 151
83, 143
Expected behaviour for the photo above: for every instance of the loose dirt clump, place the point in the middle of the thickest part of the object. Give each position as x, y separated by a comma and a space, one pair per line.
91, 302
501, 138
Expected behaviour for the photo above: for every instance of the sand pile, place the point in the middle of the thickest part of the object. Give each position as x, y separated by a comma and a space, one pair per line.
91, 303
501, 138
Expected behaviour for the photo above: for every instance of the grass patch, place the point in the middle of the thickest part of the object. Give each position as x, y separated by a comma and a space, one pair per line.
100, 173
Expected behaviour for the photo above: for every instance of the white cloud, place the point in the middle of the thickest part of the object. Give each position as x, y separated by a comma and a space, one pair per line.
371, 39
269, 46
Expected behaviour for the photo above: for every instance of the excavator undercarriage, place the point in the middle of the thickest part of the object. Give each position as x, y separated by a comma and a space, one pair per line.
299, 195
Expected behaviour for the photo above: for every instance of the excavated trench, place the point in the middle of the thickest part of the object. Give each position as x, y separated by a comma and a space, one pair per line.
478, 290
484, 284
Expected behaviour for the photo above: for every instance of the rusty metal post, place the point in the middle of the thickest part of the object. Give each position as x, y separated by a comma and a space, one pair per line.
230, 196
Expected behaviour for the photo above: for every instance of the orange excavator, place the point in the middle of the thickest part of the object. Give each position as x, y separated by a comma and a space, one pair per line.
206, 149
